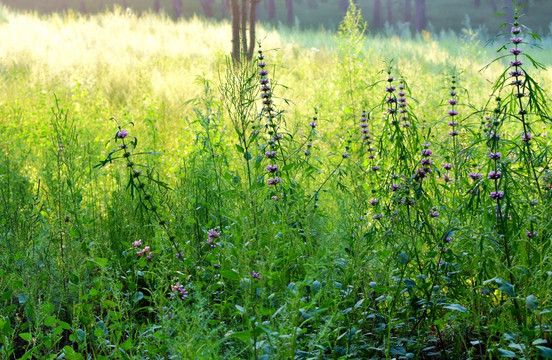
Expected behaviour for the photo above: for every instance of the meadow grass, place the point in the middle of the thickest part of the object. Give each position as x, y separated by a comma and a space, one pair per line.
137, 219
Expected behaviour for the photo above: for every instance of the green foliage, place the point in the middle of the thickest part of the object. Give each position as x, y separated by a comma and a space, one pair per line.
373, 228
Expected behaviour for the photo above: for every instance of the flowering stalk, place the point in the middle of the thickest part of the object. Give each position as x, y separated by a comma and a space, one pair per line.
136, 183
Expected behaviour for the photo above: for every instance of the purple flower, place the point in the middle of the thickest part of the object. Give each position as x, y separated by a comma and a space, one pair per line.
448, 239
433, 213
275, 198
516, 30
270, 154
475, 176
530, 234
494, 175
447, 166
375, 168
374, 202
390, 79
534, 202
390, 89
453, 123
426, 162
255, 275
263, 72
178, 289
453, 133
266, 88
516, 40
453, 93
516, 63
313, 124
272, 168
261, 64
426, 152
137, 243
377, 216
497, 195
526, 137
274, 181
516, 73
395, 187
453, 101
345, 155
264, 81
447, 178
453, 112
495, 156
516, 51
121, 134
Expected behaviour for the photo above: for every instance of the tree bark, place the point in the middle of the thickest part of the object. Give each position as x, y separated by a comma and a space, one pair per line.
376, 20
243, 27
252, 20
271, 9
177, 8
390, 11
408, 10
289, 6
157, 6
420, 15
207, 6
235, 15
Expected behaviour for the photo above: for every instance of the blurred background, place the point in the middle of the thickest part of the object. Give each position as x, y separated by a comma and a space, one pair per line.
381, 15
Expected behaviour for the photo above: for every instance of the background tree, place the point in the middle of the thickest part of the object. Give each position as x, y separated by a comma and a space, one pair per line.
224, 8
390, 11
421, 19
376, 18
271, 9
177, 8
289, 6
125, 5
240, 18
157, 5
408, 10
207, 6
508, 9
477, 3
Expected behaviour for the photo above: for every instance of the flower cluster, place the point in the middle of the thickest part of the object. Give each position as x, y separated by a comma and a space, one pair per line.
268, 111
178, 290
213, 235
453, 112
367, 138
516, 72
143, 251
401, 100
426, 163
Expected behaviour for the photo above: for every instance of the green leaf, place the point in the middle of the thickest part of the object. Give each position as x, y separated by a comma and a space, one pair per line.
50, 321
26, 336
240, 149
240, 309
81, 335
137, 297
100, 261
532, 302
545, 352
230, 274
506, 353
127, 345
242, 335
456, 307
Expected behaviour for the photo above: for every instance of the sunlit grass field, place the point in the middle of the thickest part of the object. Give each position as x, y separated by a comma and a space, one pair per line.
327, 264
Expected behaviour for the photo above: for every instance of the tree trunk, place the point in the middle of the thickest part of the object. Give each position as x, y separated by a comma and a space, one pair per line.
493, 5
420, 15
82, 7
408, 10
235, 15
157, 6
271, 9
207, 6
252, 20
377, 14
390, 11
177, 8
289, 6
224, 8
344, 5
243, 27
477, 3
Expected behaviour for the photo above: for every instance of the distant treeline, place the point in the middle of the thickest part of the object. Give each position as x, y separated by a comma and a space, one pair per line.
418, 14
